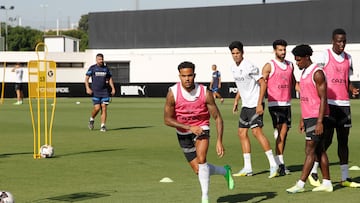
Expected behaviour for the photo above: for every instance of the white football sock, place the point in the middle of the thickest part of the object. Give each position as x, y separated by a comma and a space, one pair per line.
271, 158
315, 167
281, 158
326, 182
247, 161
300, 183
204, 179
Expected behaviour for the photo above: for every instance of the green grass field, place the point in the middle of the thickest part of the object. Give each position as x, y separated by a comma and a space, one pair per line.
126, 163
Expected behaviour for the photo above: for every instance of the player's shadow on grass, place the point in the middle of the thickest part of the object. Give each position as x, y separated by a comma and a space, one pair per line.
87, 152
244, 197
130, 128
295, 168
75, 197
14, 154
337, 185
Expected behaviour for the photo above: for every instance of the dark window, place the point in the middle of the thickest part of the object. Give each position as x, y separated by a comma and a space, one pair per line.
69, 65
120, 71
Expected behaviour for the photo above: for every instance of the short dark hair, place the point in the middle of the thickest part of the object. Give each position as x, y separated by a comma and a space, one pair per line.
100, 55
186, 64
236, 44
280, 42
302, 50
338, 31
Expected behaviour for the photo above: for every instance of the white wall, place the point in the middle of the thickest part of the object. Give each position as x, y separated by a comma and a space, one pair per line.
54, 44
160, 65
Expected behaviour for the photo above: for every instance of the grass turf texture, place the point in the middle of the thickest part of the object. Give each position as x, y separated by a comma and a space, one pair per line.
126, 163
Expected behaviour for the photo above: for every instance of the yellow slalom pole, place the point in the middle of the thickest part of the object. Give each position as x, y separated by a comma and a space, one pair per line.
42, 86
3, 85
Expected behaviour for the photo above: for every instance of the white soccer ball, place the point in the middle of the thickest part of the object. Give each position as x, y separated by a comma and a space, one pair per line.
6, 197
46, 151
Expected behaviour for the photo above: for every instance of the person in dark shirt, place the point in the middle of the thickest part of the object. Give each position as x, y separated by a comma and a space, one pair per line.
101, 79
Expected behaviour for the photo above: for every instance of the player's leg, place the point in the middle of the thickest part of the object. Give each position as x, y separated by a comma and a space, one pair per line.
104, 102
244, 126
246, 150
328, 137
310, 146
202, 145
283, 125
18, 95
280, 148
21, 92
103, 117
94, 112
265, 144
343, 148
343, 153
326, 185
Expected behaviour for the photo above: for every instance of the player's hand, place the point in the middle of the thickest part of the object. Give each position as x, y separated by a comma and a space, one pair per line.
259, 110
355, 92
112, 92
319, 129
220, 150
197, 130
235, 108
301, 126
89, 91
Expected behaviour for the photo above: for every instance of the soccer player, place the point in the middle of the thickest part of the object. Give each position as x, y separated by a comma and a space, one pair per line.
188, 108
279, 75
101, 78
251, 88
18, 84
337, 65
313, 121
215, 83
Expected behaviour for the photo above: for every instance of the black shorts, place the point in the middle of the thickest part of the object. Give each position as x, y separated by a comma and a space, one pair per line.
249, 118
280, 115
18, 86
187, 143
310, 125
340, 116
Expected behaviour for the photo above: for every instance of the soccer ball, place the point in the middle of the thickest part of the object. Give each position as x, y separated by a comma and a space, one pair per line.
46, 151
6, 197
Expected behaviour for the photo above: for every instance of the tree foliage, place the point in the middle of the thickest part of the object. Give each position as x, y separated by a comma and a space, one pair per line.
25, 38
84, 23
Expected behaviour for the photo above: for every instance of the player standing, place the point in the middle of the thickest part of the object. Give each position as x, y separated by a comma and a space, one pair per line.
251, 88
313, 121
279, 75
338, 67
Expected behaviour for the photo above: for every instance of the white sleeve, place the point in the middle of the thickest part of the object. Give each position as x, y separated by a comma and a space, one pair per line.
351, 71
174, 91
321, 59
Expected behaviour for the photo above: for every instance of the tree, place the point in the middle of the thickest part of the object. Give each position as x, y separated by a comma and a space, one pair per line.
23, 38
26, 38
84, 23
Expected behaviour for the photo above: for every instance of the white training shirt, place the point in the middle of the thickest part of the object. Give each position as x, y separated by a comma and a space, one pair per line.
19, 75
246, 77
